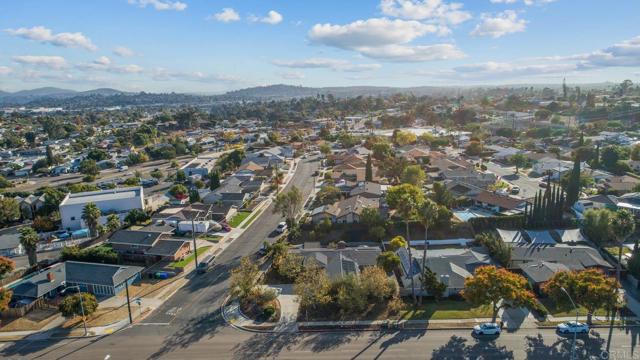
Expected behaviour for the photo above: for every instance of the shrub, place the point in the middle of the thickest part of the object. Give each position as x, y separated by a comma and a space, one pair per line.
268, 312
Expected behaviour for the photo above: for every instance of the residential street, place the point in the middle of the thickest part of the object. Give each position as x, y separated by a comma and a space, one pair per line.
193, 311
208, 337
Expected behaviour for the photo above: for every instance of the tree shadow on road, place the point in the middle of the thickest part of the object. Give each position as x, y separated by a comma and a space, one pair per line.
196, 329
399, 337
587, 347
457, 348
265, 345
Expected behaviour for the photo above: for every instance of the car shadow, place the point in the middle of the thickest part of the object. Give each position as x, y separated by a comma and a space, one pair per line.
457, 348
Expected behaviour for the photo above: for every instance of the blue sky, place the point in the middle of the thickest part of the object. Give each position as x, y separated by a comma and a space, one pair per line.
211, 46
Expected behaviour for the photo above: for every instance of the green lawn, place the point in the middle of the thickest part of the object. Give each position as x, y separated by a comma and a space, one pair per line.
211, 238
444, 309
182, 263
553, 310
253, 216
614, 250
238, 218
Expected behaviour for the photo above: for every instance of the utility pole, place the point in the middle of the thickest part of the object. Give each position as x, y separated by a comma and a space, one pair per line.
126, 286
193, 236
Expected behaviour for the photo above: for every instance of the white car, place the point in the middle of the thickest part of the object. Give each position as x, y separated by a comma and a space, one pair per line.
571, 327
281, 228
487, 329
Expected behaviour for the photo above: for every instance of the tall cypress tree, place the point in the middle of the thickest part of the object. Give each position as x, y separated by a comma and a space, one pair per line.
573, 186
368, 175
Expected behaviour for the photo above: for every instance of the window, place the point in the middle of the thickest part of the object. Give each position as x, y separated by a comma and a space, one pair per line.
73, 218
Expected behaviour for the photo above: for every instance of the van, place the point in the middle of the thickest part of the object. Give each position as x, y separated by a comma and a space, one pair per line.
205, 264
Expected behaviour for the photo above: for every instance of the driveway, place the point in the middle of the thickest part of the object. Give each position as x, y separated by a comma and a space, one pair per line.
288, 308
528, 186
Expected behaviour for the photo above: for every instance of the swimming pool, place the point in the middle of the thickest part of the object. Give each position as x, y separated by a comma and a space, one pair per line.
468, 214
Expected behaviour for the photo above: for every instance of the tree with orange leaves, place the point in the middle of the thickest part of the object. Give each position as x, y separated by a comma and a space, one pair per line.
497, 287
589, 288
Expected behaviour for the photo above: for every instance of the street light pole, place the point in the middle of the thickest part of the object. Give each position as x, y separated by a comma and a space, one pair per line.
193, 236
84, 321
575, 333
126, 286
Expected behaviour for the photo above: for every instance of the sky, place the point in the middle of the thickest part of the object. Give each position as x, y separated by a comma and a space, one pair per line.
212, 46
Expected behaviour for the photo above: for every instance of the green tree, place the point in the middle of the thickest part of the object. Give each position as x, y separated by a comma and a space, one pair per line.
312, 288
78, 304
179, 191
431, 284
180, 176
368, 176
498, 288
244, 279
414, 175
113, 222
5, 298
325, 149
442, 196
29, 239
498, 249
289, 204
388, 260
135, 217
622, 226
589, 288
4, 183
157, 174
406, 199
89, 167
596, 225
214, 179
9, 210
91, 216
519, 161
573, 187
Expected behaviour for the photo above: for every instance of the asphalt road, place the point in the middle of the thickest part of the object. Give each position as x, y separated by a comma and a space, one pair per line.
207, 338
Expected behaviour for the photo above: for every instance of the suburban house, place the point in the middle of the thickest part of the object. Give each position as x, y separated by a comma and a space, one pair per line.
499, 204
451, 265
629, 202
98, 279
469, 176
10, 245
30, 205
368, 189
345, 211
117, 201
594, 202
620, 184
415, 153
555, 166
342, 261
148, 246
540, 254
201, 166
230, 191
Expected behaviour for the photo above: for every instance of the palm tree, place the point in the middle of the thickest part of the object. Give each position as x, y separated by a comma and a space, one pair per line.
623, 225
427, 215
91, 214
29, 239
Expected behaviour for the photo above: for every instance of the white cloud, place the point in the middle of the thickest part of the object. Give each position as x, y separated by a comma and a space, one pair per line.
418, 53
37, 76
439, 10
501, 24
123, 51
293, 75
370, 33
44, 35
492, 69
226, 15
162, 74
160, 5
526, 2
5, 70
273, 18
326, 63
383, 38
103, 63
51, 62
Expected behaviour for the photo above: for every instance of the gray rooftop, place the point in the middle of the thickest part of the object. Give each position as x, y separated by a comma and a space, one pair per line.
102, 195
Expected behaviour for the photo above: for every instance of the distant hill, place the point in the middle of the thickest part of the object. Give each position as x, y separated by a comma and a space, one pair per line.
27, 96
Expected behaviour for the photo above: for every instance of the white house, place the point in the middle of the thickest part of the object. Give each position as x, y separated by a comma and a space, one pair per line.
113, 201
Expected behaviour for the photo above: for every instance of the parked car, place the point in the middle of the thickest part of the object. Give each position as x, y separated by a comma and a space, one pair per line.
571, 327
205, 264
281, 228
515, 190
61, 234
486, 329
543, 184
123, 168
